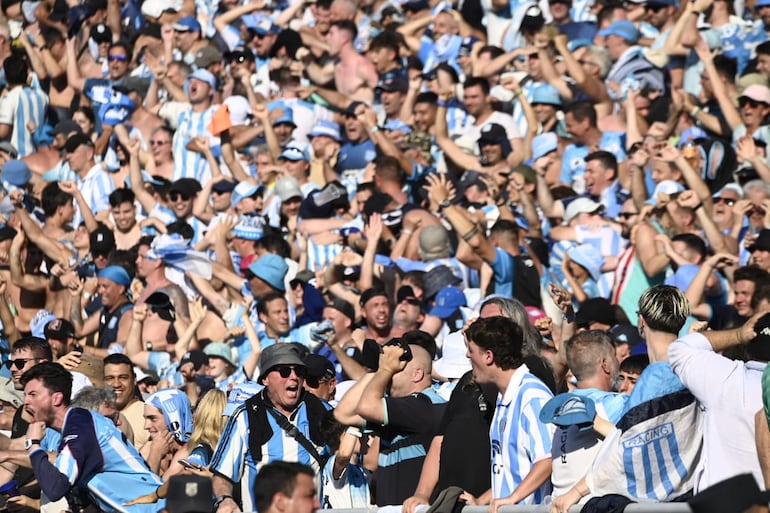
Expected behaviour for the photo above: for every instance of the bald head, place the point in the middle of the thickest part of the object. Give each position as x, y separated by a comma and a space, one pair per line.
416, 375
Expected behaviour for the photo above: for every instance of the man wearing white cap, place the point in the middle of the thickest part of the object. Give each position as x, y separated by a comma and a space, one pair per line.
189, 115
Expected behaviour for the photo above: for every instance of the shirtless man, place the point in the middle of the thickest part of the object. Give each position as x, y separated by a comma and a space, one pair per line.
153, 273
141, 119
355, 77
127, 230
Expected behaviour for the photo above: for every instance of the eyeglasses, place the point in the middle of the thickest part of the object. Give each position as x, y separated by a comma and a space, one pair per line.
743, 102
159, 143
727, 201
627, 215
285, 371
176, 196
119, 58
19, 363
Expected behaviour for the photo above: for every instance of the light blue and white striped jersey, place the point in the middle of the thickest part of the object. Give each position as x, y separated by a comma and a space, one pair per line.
351, 490
188, 125
518, 438
96, 188
20, 106
233, 457
93, 456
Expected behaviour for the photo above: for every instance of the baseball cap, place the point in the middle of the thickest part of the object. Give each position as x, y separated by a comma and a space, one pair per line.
243, 190
344, 307
160, 303
622, 28
223, 186
197, 358
327, 128
287, 117
448, 301
581, 205
59, 329
101, 33
293, 152
187, 24
101, 241
492, 133
433, 239
65, 127
371, 293
135, 84
757, 92
546, 94
436, 279
204, 76
15, 172
287, 188
544, 144
76, 141
392, 82
9, 148
207, 56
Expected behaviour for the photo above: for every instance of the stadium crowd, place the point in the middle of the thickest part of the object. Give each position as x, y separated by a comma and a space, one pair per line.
388, 252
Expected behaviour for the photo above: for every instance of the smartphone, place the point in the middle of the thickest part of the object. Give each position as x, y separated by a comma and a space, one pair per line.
190, 465
77, 348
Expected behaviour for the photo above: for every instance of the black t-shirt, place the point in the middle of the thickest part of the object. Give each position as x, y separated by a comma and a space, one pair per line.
404, 441
725, 317
23, 475
465, 450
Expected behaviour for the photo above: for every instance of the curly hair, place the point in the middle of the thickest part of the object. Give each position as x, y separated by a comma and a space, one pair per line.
500, 335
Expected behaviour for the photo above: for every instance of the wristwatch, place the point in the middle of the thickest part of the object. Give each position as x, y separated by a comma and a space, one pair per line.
444, 204
220, 500
29, 442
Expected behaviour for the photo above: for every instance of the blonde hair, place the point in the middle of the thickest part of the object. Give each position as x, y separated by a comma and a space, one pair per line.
208, 422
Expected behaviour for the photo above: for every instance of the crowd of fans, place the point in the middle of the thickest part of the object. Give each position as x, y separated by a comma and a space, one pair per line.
482, 251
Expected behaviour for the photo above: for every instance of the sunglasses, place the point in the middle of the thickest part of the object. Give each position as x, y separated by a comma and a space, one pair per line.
627, 215
285, 371
727, 201
743, 102
412, 301
119, 58
159, 143
176, 196
19, 363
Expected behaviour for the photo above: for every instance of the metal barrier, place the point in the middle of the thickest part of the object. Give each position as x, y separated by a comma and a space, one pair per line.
652, 507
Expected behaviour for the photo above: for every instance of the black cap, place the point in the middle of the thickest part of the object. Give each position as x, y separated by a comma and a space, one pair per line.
240, 53
344, 308
59, 329
223, 186
187, 186
369, 294
351, 110
405, 292
377, 202
492, 133
436, 279
151, 29
393, 81
160, 303
101, 241
197, 358
318, 366
101, 33
76, 141
65, 127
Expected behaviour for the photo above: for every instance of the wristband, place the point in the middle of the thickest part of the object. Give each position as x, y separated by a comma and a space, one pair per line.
441, 103
473, 231
406, 232
374, 129
695, 111
353, 431
696, 207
